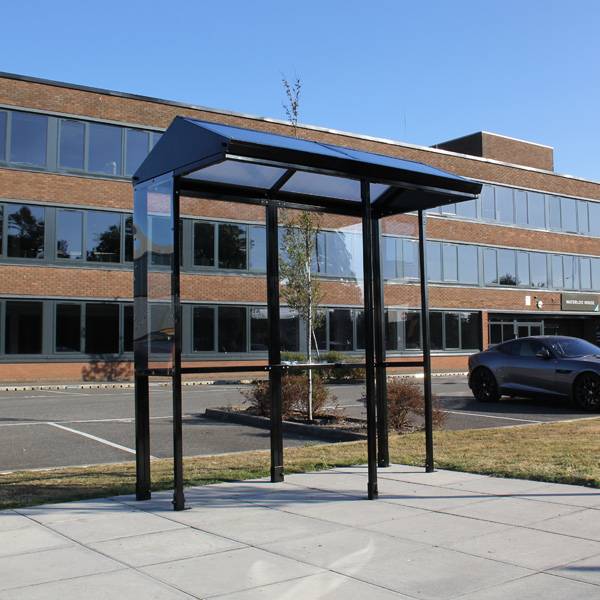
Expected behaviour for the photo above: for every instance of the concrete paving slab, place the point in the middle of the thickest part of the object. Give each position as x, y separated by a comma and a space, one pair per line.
227, 572
434, 536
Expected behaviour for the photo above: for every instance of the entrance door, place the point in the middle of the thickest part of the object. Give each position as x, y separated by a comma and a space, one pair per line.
527, 329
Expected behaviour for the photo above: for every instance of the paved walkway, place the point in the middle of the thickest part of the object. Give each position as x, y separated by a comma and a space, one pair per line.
429, 536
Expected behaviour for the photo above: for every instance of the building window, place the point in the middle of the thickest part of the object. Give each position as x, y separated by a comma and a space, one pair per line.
69, 234
3, 136
204, 244
101, 328
71, 146
468, 264
341, 331
505, 209
203, 329
450, 258
258, 249
23, 327
68, 328
25, 232
136, 149
104, 153
232, 247
103, 237
232, 329
28, 140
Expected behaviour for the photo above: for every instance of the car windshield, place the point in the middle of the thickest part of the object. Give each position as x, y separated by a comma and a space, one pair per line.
572, 347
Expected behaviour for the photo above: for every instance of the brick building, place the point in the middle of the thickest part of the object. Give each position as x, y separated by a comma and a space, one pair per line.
522, 259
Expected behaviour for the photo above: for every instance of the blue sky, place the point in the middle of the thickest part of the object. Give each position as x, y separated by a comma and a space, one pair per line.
419, 71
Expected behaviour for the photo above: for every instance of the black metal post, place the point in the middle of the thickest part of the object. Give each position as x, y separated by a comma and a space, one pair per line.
425, 329
383, 456
178, 495
367, 232
142, 438
276, 418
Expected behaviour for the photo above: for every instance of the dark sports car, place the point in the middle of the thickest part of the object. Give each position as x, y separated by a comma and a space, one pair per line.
538, 366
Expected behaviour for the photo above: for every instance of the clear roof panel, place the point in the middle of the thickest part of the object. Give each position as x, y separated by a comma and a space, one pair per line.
233, 172
316, 184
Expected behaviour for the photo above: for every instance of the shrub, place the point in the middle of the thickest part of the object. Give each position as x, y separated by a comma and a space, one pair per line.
405, 400
341, 372
294, 396
288, 356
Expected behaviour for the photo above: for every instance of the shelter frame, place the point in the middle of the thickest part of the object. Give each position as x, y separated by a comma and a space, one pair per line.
222, 163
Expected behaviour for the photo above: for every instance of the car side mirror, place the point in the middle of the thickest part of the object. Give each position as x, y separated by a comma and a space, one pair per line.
543, 353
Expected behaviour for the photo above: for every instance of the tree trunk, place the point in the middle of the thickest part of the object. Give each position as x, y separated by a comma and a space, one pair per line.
309, 394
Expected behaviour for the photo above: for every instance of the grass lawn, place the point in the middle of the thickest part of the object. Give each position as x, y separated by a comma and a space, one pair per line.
556, 452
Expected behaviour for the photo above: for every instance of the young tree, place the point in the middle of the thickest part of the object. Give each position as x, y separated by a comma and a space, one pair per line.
292, 91
301, 287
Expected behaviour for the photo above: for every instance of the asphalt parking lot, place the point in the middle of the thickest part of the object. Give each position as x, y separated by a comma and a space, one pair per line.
79, 425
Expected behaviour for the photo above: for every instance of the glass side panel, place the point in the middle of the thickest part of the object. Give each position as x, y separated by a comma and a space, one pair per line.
71, 145
388, 252
103, 237
410, 259
28, 141
23, 327
69, 234
104, 153
339, 254
239, 173
25, 232
136, 149
3, 136
68, 328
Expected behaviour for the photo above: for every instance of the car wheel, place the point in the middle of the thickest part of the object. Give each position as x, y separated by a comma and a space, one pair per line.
586, 391
484, 386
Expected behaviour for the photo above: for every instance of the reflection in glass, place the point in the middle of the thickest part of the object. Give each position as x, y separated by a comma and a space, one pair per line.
557, 271
128, 239
410, 251
290, 330
538, 269
506, 267
523, 268
505, 205
585, 273
594, 217
259, 330
71, 145
204, 329
339, 254
23, 327
69, 234
25, 232
103, 237
488, 203
413, 330
521, 213
101, 328
490, 268
555, 220
28, 137
389, 258
136, 149
232, 329
68, 328
128, 328
467, 209
204, 244
104, 153
583, 224
469, 331
232, 247
568, 214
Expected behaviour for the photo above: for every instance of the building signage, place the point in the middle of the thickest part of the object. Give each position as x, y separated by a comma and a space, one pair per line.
580, 302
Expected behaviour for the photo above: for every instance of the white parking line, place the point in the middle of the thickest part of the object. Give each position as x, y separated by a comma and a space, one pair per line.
97, 439
460, 412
